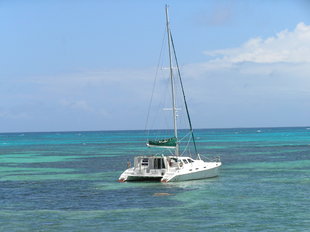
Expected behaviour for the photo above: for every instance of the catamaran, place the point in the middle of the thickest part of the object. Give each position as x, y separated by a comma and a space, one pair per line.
175, 166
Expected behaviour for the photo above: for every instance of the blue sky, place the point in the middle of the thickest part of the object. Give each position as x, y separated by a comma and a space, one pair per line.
89, 65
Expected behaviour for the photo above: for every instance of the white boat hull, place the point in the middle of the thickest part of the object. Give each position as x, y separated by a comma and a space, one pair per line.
196, 172
204, 174
198, 169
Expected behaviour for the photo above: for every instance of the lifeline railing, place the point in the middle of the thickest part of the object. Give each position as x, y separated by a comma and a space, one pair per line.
212, 159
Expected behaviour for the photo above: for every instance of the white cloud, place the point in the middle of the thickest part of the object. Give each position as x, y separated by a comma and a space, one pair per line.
13, 115
258, 83
220, 14
285, 54
262, 82
77, 105
286, 46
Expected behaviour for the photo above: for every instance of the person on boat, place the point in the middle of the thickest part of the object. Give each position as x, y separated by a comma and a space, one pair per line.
170, 162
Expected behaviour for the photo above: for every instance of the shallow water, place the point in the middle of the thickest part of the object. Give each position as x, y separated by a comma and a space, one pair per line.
67, 181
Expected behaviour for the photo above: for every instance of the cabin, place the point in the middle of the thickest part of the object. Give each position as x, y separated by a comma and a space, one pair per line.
163, 163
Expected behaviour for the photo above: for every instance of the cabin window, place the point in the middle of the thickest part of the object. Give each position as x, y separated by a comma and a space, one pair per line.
159, 163
190, 160
185, 161
145, 162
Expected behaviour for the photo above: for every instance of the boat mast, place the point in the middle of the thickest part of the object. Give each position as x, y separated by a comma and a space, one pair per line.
172, 85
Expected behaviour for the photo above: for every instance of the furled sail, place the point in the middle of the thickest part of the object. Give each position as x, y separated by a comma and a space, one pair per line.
163, 143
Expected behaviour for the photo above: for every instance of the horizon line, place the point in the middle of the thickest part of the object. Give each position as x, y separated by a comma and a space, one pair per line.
115, 130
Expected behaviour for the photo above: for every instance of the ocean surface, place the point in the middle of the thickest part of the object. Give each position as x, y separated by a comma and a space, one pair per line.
67, 181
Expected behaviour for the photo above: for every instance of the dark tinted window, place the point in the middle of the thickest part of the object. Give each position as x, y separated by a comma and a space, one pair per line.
145, 161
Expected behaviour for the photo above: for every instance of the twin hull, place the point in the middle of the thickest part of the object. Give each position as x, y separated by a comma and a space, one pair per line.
169, 169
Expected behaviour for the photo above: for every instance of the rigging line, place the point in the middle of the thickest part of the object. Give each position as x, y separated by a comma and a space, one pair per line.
185, 136
187, 145
171, 152
154, 83
185, 103
160, 118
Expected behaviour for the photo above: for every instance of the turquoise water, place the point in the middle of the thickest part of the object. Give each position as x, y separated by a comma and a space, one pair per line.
67, 182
